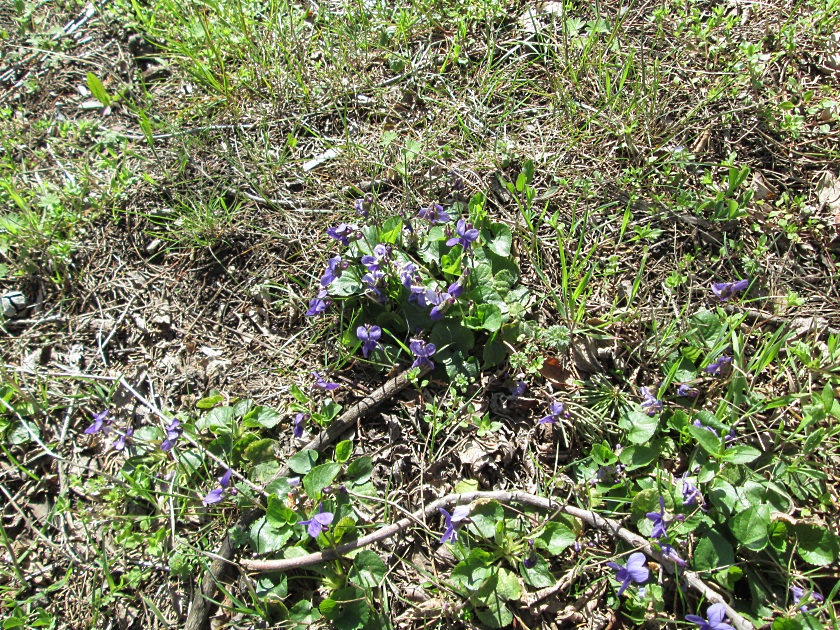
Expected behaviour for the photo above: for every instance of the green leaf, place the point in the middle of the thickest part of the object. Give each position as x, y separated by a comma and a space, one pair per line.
485, 516
708, 441
218, 418
741, 454
786, 623
713, 553
639, 426
368, 569
303, 461
391, 230
279, 514
501, 241
319, 478
303, 612
751, 526
360, 470
343, 451
638, 456
209, 402
466, 485
602, 455
260, 451
490, 317
266, 538
298, 395
272, 586
556, 537
817, 545
539, 576
495, 352
261, 417
347, 608
472, 571
98, 90
346, 527
491, 593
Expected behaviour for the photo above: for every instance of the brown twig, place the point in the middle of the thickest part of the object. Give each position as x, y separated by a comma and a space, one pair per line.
589, 517
204, 596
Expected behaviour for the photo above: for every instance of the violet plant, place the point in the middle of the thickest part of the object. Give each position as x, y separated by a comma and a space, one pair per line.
440, 282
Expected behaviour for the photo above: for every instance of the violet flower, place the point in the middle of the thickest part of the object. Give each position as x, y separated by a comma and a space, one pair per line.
334, 268
671, 554
557, 411
343, 233
434, 214
685, 390
124, 439
408, 273
369, 336
454, 521
651, 402
519, 389
214, 496
799, 594
530, 561
422, 351
297, 426
364, 205
321, 383
319, 304
658, 519
319, 523
441, 301
372, 280
726, 290
173, 432
380, 255
100, 422
635, 571
689, 491
716, 614
467, 235
715, 368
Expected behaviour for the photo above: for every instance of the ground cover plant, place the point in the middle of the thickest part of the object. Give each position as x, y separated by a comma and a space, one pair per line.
419, 314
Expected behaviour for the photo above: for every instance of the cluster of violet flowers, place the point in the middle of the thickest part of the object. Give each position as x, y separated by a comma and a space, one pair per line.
387, 273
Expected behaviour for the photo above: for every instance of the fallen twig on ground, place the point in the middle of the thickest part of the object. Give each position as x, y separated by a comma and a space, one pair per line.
200, 608
590, 518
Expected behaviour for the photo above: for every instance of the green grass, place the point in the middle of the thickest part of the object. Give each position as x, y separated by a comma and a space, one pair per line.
180, 231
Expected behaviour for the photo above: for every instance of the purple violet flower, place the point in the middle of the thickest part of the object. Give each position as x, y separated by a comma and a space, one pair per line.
671, 554
434, 214
321, 383
557, 410
689, 491
100, 422
635, 571
372, 280
651, 403
422, 351
457, 288
407, 274
381, 253
716, 613
297, 426
658, 519
685, 390
363, 205
124, 439
319, 523
441, 301
530, 561
467, 235
454, 521
343, 233
319, 304
173, 432
369, 336
214, 496
334, 268
715, 368
799, 594
519, 389
726, 290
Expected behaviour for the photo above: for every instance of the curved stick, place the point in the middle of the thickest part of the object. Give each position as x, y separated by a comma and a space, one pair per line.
201, 603
589, 517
